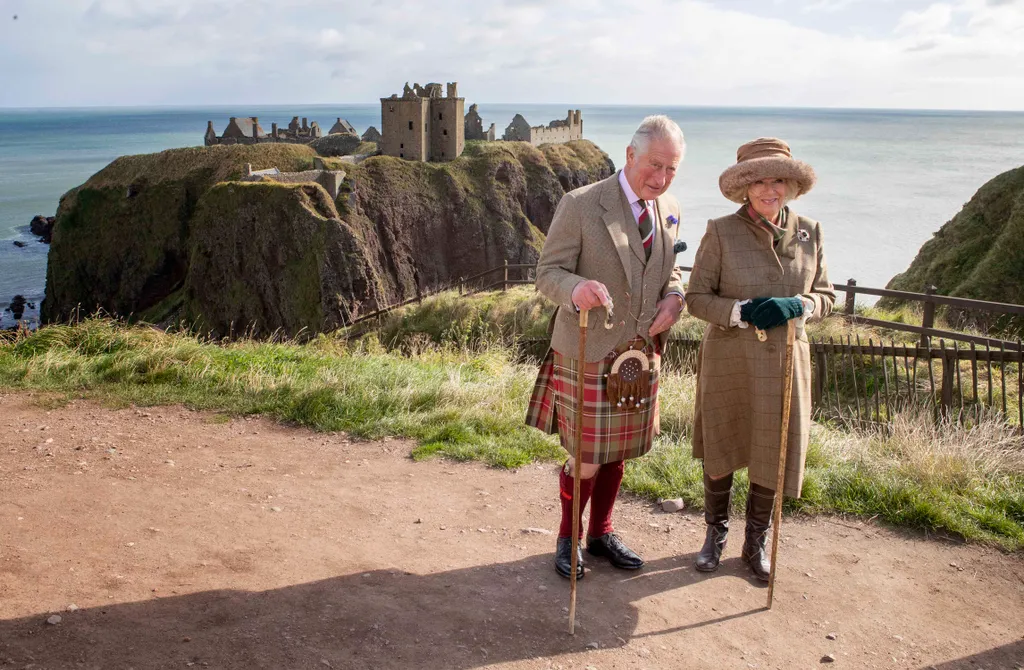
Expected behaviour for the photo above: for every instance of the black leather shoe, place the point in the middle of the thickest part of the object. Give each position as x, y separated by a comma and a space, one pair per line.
563, 558
619, 554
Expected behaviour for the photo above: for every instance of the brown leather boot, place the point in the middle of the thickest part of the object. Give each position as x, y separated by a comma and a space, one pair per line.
717, 494
760, 501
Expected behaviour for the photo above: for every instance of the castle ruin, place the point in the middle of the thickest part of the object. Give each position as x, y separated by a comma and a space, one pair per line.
558, 131
331, 180
423, 124
475, 126
247, 130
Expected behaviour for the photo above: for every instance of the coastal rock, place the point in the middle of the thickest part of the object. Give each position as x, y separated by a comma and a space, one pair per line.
267, 256
42, 226
170, 236
979, 253
20, 244
17, 307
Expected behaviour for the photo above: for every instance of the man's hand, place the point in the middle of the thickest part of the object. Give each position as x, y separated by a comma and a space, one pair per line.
590, 294
669, 309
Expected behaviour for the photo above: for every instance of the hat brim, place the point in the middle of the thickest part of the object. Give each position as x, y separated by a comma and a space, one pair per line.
736, 178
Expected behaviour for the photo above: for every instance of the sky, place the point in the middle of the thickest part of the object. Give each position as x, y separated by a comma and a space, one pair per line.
961, 54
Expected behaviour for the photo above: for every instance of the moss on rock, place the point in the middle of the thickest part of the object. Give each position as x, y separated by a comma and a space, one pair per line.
979, 253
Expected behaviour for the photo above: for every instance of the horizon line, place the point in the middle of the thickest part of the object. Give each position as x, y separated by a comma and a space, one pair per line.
578, 105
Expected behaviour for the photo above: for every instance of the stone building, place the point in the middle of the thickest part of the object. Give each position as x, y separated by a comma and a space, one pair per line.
475, 126
247, 130
342, 126
372, 135
423, 124
566, 130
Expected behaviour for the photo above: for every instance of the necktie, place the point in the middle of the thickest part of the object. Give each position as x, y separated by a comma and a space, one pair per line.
646, 228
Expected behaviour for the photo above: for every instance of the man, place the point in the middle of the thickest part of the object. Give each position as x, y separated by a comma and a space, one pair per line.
609, 250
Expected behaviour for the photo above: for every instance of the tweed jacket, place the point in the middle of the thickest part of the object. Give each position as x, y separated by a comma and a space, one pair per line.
594, 235
738, 408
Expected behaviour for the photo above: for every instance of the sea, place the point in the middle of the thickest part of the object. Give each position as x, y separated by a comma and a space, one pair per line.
887, 179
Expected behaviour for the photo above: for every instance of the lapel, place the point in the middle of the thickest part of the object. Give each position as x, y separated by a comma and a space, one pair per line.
762, 236
787, 246
616, 211
661, 248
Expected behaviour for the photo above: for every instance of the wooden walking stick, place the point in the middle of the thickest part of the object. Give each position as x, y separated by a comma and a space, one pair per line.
581, 363
787, 397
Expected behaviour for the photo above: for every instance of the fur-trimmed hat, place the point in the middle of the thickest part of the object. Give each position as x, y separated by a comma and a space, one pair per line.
765, 157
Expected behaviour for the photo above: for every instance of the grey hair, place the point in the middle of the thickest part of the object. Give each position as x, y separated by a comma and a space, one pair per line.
657, 127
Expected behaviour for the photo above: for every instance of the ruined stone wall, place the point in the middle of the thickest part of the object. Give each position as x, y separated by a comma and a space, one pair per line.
558, 132
331, 180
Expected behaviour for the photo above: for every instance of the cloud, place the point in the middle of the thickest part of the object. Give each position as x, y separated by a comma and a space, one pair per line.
153, 52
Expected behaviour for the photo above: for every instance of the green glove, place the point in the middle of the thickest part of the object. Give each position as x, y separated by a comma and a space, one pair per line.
775, 312
747, 310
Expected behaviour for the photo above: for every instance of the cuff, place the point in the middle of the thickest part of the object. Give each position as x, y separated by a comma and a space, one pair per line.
808, 307
734, 319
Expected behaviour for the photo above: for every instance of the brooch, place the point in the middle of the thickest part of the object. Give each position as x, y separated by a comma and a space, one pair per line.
802, 235
672, 220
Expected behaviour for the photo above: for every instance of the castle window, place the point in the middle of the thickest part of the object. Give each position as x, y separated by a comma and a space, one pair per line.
440, 116
401, 155
445, 131
401, 145
391, 108
410, 125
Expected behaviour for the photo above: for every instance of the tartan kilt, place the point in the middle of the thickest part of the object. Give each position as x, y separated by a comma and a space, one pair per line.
608, 434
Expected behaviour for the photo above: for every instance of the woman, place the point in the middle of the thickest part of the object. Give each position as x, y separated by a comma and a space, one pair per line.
754, 271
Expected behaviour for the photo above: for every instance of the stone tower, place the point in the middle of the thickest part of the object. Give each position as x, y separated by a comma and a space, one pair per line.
423, 124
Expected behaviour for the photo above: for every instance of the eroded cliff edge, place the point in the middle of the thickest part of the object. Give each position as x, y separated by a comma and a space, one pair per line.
174, 236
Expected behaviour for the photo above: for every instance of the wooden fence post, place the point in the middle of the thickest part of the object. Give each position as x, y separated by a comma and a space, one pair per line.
851, 298
928, 319
820, 363
504, 286
949, 361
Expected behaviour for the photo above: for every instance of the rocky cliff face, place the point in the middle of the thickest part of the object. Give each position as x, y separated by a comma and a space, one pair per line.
979, 253
170, 235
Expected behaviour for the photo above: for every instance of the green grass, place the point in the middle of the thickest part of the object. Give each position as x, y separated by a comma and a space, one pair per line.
468, 404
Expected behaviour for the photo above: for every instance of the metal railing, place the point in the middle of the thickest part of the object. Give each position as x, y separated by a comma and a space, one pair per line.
869, 383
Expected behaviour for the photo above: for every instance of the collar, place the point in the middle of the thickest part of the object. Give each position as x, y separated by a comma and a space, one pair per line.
631, 197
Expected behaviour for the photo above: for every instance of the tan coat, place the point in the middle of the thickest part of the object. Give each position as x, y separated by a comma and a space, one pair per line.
739, 379
594, 236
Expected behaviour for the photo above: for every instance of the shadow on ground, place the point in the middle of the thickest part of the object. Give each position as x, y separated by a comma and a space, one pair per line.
1007, 657
383, 619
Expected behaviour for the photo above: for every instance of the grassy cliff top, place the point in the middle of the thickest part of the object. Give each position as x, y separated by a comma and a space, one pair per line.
220, 163
979, 253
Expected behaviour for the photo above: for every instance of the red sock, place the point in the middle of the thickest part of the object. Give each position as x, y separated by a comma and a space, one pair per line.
606, 488
565, 485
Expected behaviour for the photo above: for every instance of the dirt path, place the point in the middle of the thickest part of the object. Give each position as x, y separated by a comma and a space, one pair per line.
165, 538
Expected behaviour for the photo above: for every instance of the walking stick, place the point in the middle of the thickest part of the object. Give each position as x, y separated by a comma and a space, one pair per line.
787, 396
581, 363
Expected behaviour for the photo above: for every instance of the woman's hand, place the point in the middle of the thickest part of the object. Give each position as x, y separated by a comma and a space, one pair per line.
771, 312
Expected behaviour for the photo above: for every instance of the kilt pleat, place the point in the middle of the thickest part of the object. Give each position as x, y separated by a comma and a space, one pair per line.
608, 434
